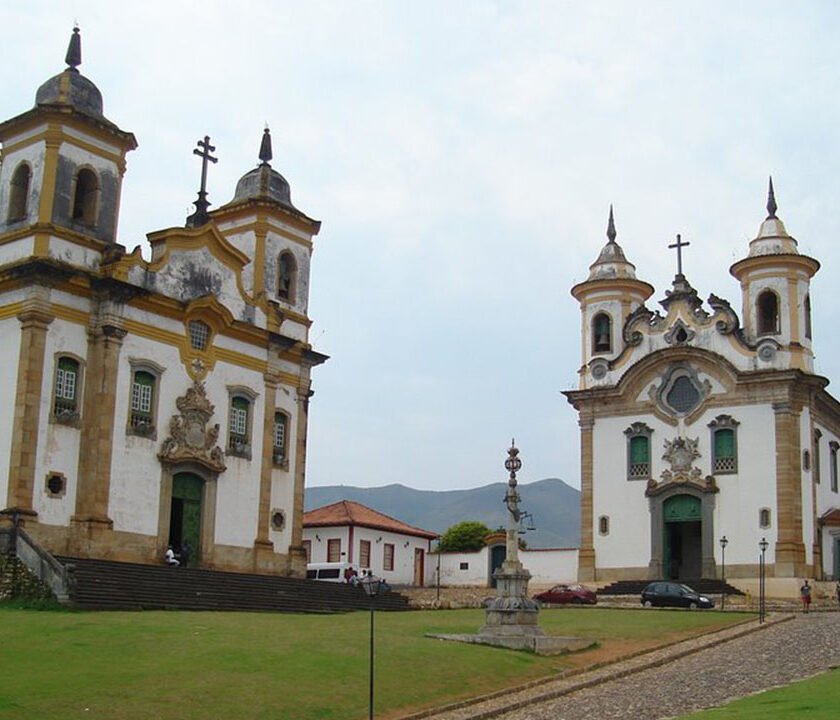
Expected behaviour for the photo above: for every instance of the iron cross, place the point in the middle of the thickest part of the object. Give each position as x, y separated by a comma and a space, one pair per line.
679, 245
204, 154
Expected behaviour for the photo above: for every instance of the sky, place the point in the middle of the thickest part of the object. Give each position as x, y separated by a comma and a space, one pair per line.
462, 157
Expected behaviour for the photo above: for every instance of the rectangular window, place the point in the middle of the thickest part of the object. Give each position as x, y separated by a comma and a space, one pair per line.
833, 469
817, 436
725, 459
333, 550
66, 381
388, 557
364, 553
239, 427
307, 548
142, 402
639, 458
281, 421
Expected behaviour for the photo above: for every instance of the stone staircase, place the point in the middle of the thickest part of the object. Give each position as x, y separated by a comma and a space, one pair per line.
705, 586
108, 585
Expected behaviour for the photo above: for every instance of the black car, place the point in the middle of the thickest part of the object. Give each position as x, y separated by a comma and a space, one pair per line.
671, 594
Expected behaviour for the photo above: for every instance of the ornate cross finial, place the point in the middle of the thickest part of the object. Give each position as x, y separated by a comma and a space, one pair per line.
74, 50
771, 201
611, 226
679, 245
200, 217
265, 147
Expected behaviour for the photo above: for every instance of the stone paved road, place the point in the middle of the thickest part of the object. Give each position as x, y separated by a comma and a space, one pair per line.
708, 676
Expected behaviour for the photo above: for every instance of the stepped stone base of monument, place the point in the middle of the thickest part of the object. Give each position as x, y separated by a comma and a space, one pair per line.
531, 642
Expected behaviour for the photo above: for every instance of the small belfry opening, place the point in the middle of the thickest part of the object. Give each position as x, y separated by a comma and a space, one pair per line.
286, 276
767, 306
19, 193
601, 333
85, 197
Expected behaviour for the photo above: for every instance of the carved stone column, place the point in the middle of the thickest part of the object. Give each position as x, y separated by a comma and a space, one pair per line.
586, 554
790, 548
34, 320
97, 434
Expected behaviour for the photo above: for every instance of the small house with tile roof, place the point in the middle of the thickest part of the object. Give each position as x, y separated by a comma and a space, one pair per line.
350, 532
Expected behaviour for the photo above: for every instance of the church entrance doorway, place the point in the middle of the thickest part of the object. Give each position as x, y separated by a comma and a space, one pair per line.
185, 515
682, 544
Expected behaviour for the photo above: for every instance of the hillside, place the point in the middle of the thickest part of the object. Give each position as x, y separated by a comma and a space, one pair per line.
554, 505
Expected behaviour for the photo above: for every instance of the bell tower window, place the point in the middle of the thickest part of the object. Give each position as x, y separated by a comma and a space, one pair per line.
286, 277
19, 193
601, 333
767, 306
85, 197
808, 316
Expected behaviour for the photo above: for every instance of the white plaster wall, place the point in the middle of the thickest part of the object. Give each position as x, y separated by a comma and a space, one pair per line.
58, 445
283, 481
17, 250
73, 254
245, 242
9, 353
476, 572
551, 565
320, 535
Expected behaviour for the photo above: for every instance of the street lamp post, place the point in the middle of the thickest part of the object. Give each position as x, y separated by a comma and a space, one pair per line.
372, 586
723, 543
761, 572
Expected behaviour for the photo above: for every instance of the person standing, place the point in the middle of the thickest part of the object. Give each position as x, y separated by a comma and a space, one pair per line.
837, 592
805, 594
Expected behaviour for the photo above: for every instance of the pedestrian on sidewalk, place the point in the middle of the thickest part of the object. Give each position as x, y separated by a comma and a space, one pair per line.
805, 594
837, 592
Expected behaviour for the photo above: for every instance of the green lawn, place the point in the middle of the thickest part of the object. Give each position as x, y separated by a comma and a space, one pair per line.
183, 665
814, 699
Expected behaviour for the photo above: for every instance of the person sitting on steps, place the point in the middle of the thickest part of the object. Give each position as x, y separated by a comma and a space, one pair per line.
170, 559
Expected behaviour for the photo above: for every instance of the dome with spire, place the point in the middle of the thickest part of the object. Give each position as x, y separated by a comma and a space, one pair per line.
772, 238
264, 183
611, 263
70, 87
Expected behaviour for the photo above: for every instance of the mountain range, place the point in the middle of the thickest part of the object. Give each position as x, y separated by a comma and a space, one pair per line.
554, 506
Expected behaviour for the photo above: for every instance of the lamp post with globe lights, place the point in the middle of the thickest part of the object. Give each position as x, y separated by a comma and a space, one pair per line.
372, 586
723, 543
761, 575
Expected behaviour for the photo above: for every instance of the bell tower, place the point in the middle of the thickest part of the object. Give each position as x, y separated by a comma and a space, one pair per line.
62, 167
606, 297
775, 294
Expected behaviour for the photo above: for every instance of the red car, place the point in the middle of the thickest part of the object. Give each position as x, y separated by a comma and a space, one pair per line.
564, 594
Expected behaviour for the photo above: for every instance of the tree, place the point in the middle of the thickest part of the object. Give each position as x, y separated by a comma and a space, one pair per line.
466, 536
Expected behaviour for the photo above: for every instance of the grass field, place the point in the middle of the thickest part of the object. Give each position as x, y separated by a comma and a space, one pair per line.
814, 699
190, 665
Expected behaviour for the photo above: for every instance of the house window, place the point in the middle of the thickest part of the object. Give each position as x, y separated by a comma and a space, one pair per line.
808, 316
638, 451
307, 548
833, 467
84, 199
199, 334
239, 428
333, 550
764, 518
286, 276
387, 556
604, 525
66, 396
364, 553
464, 566
141, 420
281, 424
816, 462
767, 305
601, 333
19, 193
724, 445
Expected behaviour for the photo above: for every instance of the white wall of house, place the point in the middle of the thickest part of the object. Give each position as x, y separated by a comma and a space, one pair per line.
407, 549
547, 567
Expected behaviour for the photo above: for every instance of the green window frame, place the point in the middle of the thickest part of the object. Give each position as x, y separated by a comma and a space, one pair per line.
66, 390
638, 451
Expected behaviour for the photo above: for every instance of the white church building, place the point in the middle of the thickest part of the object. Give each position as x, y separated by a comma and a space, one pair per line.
149, 402
697, 424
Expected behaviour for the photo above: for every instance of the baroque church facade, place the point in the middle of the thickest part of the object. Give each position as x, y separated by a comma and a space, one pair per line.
158, 402
702, 432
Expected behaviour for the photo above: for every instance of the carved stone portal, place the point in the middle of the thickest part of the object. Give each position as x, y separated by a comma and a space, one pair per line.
189, 437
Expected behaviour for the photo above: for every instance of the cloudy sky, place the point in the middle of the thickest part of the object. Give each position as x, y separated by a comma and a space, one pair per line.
462, 157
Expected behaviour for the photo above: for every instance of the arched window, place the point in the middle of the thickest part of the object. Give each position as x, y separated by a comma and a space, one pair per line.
808, 316
85, 197
141, 420
767, 305
638, 451
19, 193
601, 333
286, 276
240, 421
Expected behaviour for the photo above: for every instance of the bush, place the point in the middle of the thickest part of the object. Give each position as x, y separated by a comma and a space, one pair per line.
466, 536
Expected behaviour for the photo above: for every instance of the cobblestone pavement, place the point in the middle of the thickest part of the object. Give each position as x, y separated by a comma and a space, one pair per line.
682, 678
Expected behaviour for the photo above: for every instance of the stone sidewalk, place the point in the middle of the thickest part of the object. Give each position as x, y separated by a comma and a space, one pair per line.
675, 680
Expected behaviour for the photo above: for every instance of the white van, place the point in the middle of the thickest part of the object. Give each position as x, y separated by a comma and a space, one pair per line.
327, 571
